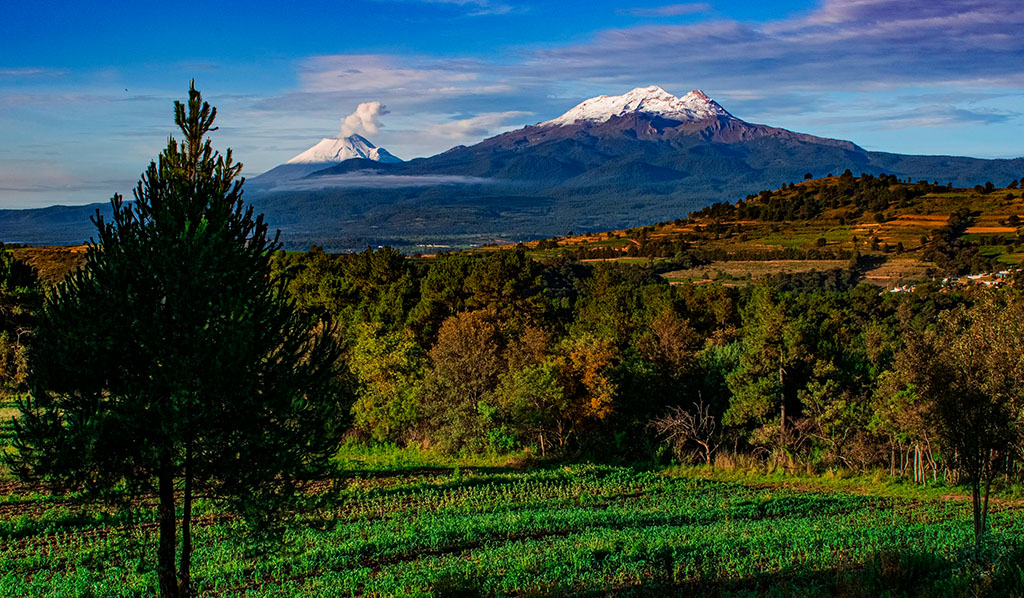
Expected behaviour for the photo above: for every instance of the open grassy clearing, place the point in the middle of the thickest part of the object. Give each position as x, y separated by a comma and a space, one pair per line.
52, 263
579, 530
746, 269
892, 272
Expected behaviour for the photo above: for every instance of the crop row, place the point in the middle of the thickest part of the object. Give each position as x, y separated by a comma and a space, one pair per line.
568, 530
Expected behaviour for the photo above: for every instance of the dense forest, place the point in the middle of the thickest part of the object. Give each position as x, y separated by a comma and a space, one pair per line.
539, 351
498, 353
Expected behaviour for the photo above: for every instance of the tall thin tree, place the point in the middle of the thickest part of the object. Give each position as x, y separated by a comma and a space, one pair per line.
173, 362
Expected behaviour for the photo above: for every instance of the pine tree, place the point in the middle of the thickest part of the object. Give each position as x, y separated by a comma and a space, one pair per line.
172, 362
764, 383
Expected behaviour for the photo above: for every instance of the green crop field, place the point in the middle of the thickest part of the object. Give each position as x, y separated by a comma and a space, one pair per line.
580, 530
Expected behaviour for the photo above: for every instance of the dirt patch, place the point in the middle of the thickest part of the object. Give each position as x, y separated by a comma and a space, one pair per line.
991, 229
933, 218
917, 221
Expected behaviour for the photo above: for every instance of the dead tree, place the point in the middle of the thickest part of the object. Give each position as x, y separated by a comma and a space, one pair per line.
682, 427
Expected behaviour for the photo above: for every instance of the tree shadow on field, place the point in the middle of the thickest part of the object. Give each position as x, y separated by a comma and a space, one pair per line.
867, 263
900, 574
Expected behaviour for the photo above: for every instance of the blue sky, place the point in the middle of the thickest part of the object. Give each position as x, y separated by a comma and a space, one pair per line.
86, 88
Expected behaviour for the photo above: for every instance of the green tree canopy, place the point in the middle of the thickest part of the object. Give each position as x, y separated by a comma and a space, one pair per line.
972, 370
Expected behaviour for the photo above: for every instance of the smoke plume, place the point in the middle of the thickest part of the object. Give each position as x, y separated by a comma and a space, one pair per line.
366, 119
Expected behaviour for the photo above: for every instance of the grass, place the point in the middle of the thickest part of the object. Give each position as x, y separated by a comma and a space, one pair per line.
742, 269
403, 524
388, 457
875, 483
52, 263
893, 271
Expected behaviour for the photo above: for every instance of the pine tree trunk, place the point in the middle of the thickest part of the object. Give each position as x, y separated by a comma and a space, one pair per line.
921, 466
989, 474
782, 391
184, 572
165, 551
976, 508
984, 508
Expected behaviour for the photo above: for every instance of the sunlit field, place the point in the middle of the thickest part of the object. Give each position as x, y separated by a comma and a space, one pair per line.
578, 530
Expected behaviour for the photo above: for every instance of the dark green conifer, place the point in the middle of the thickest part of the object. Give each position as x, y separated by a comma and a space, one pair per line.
172, 361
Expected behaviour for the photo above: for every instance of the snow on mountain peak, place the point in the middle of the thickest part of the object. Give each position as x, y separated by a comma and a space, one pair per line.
695, 105
338, 149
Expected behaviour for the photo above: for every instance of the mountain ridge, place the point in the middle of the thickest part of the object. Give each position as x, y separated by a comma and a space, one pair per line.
640, 164
695, 105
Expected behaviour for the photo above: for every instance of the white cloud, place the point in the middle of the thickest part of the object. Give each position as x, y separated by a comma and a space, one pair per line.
477, 126
25, 72
842, 45
669, 10
365, 120
375, 73
796, 71
477, 8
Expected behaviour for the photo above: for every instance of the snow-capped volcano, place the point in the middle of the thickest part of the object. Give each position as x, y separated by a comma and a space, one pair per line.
695, 105
332, 150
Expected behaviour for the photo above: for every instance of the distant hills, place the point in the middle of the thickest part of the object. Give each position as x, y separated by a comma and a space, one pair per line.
830, 232
609, 162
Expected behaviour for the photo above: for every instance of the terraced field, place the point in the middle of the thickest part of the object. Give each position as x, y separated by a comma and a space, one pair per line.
580, 530
893, 239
